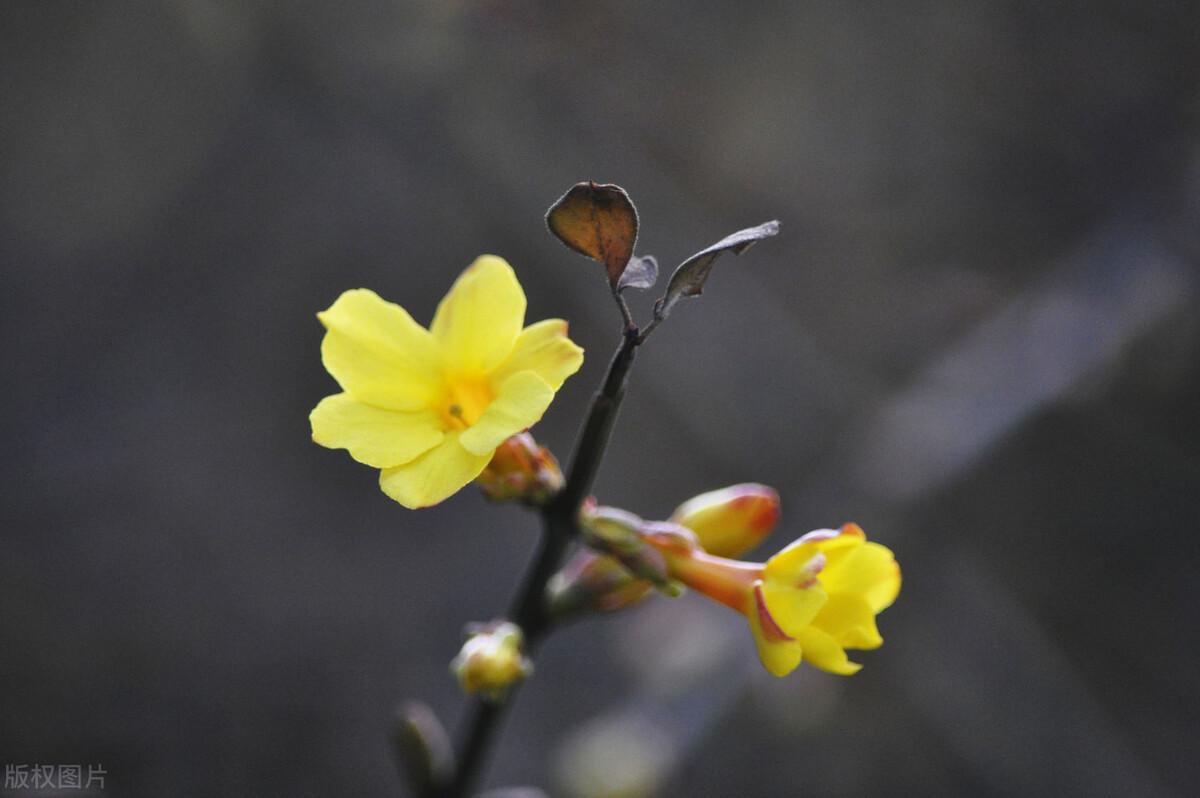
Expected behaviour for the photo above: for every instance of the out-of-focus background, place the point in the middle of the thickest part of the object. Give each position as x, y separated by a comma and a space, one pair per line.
977, 336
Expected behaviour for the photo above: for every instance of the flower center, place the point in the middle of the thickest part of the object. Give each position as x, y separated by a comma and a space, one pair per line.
466, 399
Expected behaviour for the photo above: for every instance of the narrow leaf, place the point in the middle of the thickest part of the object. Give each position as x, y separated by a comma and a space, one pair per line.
599, 221
641, 273
690, 276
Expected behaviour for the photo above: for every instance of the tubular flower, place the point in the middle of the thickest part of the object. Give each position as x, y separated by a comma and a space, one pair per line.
811, 601
429, 407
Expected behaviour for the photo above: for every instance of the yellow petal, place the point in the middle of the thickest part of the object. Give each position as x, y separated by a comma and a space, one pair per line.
373, 436
434, 476
795, 564
848, 619
521, 401
478, 321
793, 608
378, 354
822, 651
779, 656
836, 544
544, 348
869, 571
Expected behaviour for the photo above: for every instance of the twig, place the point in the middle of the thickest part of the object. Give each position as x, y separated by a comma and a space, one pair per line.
626, 313
559, 527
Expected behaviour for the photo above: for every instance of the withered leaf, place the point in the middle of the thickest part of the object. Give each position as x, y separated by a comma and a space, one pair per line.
641, 273
597, 220
690, 276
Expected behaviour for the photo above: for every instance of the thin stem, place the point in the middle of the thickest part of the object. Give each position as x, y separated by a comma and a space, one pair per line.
559, 527
649, 328
626, 314
593, 441
655, 321
527, 612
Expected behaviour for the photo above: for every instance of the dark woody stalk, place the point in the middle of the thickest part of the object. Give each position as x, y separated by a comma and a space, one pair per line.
559, 526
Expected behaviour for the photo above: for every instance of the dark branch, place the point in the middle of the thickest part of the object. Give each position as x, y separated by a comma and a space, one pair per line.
559, 527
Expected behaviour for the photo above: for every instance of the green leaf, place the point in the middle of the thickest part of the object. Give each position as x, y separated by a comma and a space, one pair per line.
690, 276
597, 220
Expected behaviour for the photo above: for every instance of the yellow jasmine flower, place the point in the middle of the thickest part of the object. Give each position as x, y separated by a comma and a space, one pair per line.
819, 597
811, 601
429, 407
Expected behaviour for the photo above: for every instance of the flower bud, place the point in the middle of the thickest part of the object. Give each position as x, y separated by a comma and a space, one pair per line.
731, 521
491, 659
593, 582
619, 534
521, 470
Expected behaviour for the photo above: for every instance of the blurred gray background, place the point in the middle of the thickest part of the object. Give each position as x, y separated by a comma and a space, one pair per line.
977, 336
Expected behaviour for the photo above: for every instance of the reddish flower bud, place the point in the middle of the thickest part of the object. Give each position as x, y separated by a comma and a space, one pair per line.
521, 470
596, 583
731, 521
623, 536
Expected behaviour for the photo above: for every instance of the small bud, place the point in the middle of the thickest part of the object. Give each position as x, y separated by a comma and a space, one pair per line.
491, 659
610, 529
618, 534
521, 470
593, 582
731, 521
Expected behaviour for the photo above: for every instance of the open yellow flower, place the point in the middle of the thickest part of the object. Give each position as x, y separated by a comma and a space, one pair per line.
819, 597
811, 601
429, 407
